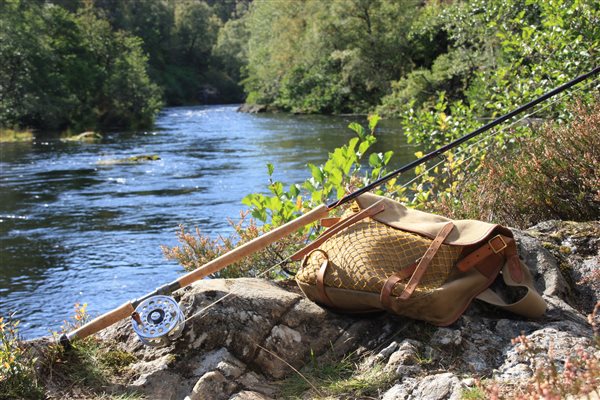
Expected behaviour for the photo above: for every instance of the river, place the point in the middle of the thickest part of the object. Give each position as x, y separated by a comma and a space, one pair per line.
73, 230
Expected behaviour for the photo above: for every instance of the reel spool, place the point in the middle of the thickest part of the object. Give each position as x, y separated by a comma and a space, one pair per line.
158, 320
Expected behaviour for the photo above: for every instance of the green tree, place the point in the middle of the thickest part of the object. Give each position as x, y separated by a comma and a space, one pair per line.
79, 74
337, 56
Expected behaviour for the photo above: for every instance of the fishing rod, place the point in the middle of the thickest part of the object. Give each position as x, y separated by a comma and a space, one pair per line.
156, 317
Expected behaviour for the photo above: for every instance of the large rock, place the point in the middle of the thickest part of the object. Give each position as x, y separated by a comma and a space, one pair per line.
244, 335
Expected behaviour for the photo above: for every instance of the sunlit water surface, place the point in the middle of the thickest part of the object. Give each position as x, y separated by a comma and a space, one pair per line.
73, 230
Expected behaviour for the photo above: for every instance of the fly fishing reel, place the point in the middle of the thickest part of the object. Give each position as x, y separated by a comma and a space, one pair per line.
158, 320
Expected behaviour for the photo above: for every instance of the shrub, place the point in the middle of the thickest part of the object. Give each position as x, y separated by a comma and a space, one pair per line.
552, 175
343, 170
17, 375
197, 249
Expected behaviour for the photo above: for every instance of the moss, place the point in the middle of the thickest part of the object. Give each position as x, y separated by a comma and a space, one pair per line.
9, 135
171, 359
550, 246
566, 250
116, 361
130, 160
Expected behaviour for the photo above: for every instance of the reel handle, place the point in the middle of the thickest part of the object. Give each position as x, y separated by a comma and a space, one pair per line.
99, 323
253, 246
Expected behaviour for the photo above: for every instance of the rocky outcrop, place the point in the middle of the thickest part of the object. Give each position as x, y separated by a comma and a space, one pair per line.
253, 108
243, 336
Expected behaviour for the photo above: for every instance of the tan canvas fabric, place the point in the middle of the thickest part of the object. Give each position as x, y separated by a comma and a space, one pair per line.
467, 232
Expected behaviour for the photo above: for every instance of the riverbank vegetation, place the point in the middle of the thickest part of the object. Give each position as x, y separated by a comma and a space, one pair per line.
11, 135
441, 67
101, 65
84, 65
396, 56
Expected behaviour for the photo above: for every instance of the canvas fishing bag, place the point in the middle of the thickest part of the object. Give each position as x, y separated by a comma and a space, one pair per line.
384, 256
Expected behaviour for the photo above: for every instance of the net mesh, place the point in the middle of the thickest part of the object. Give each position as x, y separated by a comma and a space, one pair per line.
363, 256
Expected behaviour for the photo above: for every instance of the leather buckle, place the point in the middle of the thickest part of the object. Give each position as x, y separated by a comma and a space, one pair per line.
494, 249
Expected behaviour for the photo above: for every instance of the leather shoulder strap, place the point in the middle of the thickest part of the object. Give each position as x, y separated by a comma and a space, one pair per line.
425, 261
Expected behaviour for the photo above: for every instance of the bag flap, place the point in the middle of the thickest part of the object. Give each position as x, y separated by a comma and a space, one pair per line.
396, 215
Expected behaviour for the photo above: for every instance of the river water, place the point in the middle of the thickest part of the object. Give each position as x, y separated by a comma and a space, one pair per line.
74, 230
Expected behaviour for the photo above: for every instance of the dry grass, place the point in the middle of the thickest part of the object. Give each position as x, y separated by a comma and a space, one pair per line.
198, 249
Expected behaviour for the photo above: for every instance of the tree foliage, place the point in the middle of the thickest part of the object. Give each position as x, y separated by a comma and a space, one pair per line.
62, 71
336, 56
393, 56
100, 64
81, 64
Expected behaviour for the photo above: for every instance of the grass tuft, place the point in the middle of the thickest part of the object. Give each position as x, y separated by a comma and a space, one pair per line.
342, 379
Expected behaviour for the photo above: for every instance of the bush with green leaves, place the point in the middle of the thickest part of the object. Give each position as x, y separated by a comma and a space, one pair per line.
339, 175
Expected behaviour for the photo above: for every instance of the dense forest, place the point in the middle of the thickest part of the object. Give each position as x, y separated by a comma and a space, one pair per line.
105, 64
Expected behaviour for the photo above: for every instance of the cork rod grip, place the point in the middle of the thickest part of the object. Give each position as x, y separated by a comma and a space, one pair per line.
101, 322
252, 246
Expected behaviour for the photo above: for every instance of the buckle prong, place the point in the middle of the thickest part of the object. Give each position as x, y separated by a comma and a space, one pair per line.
504, 245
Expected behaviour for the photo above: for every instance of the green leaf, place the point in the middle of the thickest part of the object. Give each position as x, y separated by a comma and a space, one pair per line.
336, 177
352, 145
294, 190
356, 127
275, 204
316, 173
276, 188
348, 165
363, 147
270, 169
373, 121
375, 173
247, 200
387, 157
375, 160
338, 158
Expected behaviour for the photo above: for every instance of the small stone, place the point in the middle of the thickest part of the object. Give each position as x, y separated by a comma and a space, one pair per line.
469, 382
249, 395
438, 387
406, 354
385, 353
211, 386
401, 391
444, 337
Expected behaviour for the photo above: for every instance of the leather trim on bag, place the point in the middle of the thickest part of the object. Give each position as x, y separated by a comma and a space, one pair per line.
324, 299
388, 286
426, 261
485, 251
329, 222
